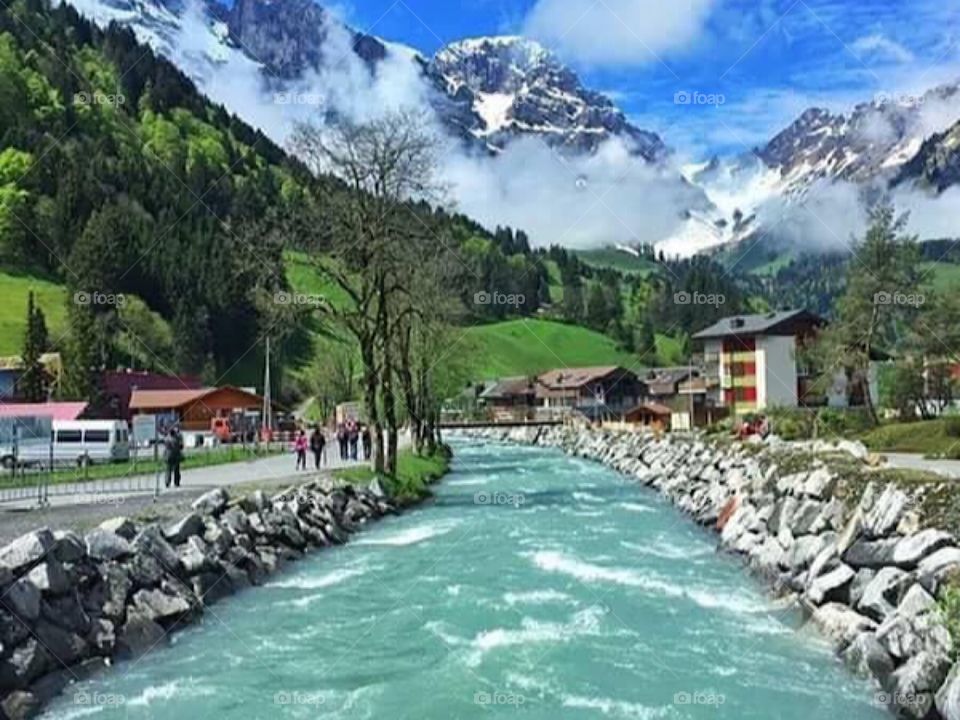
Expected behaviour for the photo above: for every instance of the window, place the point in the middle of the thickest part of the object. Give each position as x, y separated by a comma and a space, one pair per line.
69, 436
98, 436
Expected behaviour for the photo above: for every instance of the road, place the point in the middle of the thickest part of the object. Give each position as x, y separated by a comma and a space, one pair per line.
909, 461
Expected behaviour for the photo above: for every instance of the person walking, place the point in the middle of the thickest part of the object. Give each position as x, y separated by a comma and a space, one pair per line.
367, 442
318, 445
173, 454
300, 448
353, 435
342, 440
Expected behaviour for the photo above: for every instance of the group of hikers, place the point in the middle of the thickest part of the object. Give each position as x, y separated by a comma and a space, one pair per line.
350, 435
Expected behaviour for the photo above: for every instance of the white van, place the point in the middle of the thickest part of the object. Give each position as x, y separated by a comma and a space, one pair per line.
79, 442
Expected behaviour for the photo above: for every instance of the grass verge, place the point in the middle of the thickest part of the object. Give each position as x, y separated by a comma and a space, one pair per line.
415, 474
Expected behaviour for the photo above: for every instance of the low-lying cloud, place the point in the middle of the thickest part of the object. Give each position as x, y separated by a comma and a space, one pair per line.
617, 32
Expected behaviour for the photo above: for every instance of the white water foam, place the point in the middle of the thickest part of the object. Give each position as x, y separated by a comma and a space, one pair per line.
615, 708
660, 549
168, 691
635, 507
534, 632
409, 537
536, 597
587, 497
558, 562
323, 581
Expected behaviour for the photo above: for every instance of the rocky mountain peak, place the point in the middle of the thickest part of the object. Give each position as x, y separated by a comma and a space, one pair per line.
516, 87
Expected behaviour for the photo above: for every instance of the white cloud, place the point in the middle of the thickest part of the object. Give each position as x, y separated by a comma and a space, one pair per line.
881, 47
617, 32
609, 197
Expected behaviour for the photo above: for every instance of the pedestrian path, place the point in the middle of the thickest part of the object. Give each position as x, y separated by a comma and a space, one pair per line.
204, 478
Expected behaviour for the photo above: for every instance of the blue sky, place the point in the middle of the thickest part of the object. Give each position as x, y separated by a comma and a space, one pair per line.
768, 59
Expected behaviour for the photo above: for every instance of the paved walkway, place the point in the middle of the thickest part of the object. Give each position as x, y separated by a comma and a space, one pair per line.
909, 461
275, 467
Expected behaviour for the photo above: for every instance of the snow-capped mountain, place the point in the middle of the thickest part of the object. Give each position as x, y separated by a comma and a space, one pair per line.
515, 87
276, 62
871, 143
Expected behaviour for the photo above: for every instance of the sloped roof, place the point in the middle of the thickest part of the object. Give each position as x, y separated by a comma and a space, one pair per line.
663, 381
54, 411
163, 399
509, 387
782, 322
572, 378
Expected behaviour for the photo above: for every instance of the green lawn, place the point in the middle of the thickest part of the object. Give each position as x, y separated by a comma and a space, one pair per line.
50, 297
530, 347
414, 475
941, 276
618, 260
928, 437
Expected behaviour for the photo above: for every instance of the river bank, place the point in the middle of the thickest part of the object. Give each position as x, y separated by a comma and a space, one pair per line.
533, 585
862, 558
71, 604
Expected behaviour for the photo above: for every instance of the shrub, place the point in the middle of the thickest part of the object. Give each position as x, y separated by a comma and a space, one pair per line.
950, 612
951, 426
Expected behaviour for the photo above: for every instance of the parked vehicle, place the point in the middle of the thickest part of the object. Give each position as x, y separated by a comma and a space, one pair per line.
80, 442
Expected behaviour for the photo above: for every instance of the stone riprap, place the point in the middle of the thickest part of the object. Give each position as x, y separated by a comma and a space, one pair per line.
71, 605
864, 572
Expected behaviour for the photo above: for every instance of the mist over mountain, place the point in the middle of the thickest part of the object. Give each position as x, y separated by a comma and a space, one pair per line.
527, 144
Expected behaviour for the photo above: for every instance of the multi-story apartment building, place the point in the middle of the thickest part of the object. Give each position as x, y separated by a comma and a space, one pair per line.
755, 358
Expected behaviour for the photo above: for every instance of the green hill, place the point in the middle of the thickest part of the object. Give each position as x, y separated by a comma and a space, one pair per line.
50, 297
617, 260
529, 347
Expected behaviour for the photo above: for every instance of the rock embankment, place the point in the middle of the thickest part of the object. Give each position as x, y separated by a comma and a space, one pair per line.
868, 571
70, 605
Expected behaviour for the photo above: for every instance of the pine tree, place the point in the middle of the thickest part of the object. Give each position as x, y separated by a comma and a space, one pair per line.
645, 343
33, 382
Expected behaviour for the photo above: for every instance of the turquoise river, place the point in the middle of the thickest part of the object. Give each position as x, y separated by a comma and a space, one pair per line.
535, 585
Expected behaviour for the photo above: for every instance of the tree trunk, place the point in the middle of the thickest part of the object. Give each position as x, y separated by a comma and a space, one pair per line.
370, 399
865, 377
389, 413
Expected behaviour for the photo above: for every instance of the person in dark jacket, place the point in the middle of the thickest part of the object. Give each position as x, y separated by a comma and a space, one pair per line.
318, 446
367, 442
353, 435
173, 454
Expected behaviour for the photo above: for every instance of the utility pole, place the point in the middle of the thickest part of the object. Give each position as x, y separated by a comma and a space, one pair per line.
267, 404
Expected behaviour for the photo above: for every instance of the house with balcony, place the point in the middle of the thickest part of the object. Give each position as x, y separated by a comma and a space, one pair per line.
755, 359
596, 392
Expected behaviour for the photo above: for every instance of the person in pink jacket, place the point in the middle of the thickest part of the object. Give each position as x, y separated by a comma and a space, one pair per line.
300, 446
